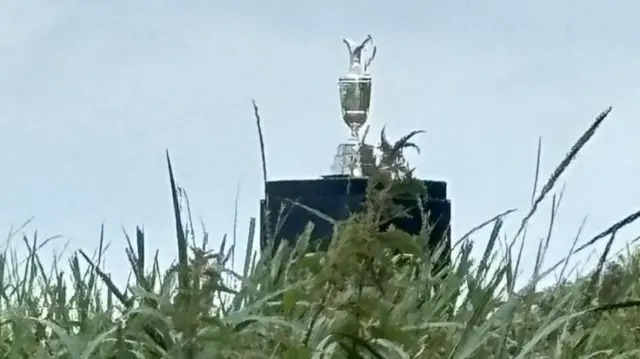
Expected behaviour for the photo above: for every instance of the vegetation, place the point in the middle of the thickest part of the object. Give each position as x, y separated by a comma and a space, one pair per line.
370, 295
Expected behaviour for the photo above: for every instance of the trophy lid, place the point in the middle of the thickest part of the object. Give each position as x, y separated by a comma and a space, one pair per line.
356, 66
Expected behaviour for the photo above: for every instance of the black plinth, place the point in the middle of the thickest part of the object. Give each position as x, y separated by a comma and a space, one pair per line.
338, 197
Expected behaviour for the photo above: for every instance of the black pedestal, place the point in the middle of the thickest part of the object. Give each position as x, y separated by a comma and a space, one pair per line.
338, 197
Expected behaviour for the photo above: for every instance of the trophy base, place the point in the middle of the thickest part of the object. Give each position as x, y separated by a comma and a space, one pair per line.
338, 196
353, 159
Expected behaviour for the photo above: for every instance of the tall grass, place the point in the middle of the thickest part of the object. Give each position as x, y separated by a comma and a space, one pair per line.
370, 295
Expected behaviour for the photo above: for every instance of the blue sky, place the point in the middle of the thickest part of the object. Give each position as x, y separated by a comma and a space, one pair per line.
92, 93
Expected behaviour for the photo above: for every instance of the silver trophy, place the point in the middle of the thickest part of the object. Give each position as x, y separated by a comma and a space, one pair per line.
354, 157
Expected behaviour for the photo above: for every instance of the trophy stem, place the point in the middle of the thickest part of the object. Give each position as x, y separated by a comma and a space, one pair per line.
355, 131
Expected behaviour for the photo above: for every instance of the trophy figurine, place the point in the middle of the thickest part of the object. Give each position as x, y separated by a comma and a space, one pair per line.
353, 157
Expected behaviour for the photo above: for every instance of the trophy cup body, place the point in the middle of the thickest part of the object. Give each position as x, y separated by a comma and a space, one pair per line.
355, 98
343, 193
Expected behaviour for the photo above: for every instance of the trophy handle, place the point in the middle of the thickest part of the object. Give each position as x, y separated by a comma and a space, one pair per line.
352, 55
370, 59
